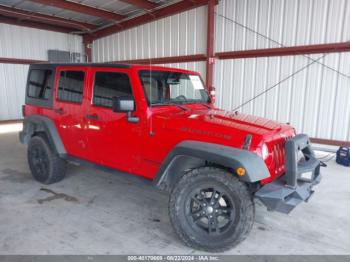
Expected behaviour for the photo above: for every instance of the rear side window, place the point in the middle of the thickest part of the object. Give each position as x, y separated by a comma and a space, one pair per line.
39, 85
108, 85
71, 86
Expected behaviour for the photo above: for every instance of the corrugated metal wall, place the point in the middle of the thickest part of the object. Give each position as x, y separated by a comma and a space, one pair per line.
289, 22
29, 43
180, 34
12, 82
25, 43
315, 100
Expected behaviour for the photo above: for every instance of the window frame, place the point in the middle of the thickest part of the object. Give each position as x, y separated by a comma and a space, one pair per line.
37, 101
94, 81
47, 82
58, 82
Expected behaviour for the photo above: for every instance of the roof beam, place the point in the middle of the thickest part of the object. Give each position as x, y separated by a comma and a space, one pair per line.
14, 21
287, 51
19, 61
45, 19
80, 8
150, 17
165, 60
144, 4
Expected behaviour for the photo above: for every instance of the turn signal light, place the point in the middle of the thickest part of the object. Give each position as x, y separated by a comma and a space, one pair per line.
240, 171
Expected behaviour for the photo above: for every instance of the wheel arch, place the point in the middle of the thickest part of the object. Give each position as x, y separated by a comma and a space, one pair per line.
188, 155
40, 124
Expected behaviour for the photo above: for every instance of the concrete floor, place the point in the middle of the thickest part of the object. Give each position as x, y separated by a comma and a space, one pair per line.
98, 213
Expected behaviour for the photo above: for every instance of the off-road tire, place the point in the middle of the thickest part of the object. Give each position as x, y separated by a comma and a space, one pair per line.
236, 190
44, 163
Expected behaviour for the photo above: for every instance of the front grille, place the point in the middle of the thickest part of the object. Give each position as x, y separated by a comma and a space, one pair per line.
279, 157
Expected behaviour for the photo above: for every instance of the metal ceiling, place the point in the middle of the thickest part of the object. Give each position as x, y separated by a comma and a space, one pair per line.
120, 7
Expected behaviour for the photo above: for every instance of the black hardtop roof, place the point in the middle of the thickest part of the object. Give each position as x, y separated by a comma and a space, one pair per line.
54, 65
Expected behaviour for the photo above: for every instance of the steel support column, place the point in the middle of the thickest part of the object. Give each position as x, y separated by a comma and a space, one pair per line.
210, 46
87, 42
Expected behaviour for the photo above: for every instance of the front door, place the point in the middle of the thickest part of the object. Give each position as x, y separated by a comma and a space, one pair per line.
113, 141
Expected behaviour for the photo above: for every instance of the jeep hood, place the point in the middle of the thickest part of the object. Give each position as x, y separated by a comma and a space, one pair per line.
218, 124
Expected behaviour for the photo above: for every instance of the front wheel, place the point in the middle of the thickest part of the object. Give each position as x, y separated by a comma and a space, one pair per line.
211, 210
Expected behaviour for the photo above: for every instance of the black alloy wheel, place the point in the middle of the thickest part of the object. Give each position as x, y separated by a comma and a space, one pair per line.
211, 210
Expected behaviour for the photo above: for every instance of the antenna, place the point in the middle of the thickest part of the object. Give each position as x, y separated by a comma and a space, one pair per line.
150, 99
150, 86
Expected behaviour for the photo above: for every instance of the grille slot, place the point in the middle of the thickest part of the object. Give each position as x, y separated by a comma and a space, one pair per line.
279, 157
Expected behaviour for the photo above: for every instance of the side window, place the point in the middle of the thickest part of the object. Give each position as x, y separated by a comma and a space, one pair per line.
108, 85
71, 86
39, 85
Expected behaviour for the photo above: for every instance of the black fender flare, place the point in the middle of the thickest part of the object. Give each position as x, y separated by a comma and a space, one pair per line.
192, 154
37, 123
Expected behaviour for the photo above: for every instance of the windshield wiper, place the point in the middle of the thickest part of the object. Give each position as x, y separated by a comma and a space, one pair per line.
196, 102
170, 104
206, 105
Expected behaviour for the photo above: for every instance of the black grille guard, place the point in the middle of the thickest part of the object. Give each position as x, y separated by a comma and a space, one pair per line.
295, 186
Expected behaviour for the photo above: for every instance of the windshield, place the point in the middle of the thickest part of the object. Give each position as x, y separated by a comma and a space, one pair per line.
166, 87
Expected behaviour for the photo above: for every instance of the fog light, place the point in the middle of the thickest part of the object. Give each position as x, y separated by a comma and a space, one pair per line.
240, 171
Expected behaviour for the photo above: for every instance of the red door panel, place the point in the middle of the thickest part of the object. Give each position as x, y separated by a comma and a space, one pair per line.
70, 107
112, 140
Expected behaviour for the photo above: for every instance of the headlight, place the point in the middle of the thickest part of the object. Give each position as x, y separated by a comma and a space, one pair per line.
264, 151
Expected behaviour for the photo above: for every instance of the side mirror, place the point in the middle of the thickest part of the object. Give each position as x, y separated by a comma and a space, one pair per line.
123, 104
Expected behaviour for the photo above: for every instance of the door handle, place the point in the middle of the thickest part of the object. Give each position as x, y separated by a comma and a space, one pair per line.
92, 117
59, 111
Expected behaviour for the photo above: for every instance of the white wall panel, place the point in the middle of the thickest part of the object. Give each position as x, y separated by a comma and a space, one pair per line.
25, 43
12, 90
288, 22
181, 34
315, 100
29, 43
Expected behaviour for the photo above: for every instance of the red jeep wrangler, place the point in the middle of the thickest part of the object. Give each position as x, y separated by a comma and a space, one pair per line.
160, 125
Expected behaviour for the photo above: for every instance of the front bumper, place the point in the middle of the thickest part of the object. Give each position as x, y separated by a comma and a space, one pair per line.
295, 187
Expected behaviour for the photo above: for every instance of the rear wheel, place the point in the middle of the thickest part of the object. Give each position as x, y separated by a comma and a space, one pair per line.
46, 166
211, 210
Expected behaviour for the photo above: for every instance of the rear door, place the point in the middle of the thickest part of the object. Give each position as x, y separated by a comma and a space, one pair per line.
113, 141
69, 108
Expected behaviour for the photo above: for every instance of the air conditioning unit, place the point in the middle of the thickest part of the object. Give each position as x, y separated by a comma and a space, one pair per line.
58, 56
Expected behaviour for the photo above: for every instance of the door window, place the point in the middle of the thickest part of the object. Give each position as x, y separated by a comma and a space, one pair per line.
39, 84
71, 86
108, 85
